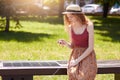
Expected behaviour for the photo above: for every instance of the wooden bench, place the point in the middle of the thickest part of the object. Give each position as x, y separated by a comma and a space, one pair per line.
25, 70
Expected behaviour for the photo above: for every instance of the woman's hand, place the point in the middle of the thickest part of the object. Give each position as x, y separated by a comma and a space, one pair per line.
74, 62
62, 42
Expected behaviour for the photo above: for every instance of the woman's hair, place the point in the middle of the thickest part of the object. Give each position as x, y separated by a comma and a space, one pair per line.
81, 17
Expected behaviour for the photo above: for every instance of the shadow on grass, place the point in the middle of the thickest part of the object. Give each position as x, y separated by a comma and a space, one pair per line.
23, 36
110, 27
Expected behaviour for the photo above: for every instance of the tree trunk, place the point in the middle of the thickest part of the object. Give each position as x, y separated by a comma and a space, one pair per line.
7, 23
78, 2
74, 1
61, 7
105, 9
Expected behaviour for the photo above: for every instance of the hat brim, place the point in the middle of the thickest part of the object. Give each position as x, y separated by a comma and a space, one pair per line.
72, 12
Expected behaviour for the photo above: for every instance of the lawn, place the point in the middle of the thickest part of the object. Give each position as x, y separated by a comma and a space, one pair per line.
37, 40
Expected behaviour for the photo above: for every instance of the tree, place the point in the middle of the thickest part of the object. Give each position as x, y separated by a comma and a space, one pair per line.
61, 7
106, 5
6, 10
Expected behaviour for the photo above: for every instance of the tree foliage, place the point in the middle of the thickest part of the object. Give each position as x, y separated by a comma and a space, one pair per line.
6, 10
9, 8
111, 2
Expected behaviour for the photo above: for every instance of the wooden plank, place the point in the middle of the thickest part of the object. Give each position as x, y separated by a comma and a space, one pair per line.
27, 72
18, 77
117, 77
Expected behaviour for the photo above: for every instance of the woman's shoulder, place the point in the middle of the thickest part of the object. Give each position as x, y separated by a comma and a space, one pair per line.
90, 26
90, 23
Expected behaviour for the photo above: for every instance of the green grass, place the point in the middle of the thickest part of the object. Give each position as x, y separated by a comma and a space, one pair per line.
37, 40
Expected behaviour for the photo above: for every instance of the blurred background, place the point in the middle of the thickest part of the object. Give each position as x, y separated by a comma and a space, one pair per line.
13, 9
30, 29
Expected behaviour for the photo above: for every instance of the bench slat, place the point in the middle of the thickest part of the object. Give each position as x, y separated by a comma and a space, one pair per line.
104, 67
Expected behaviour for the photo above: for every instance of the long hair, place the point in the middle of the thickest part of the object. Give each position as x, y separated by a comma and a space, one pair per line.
82, 19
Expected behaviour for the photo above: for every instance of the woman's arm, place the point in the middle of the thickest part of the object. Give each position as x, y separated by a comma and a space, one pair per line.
90, 30
63, 42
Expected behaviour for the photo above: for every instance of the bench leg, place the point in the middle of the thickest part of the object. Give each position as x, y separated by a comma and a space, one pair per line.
18, 77
117, 76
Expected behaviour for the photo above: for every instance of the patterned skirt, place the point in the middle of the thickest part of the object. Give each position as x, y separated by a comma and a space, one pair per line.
86, 69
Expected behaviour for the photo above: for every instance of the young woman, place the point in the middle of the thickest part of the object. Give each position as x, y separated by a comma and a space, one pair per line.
82, 62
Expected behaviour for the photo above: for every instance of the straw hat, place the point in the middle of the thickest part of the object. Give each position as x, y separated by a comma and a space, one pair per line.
73, 9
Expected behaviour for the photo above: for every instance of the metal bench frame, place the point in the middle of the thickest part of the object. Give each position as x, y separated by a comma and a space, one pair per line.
27, 73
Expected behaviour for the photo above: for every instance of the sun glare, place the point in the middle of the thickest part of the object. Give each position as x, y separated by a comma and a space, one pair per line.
36, 7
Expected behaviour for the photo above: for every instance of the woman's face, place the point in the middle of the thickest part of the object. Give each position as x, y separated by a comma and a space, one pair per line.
71, 18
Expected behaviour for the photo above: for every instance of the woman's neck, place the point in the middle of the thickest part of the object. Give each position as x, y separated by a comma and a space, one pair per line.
78, 28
